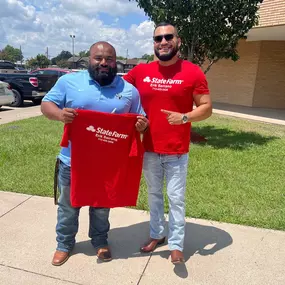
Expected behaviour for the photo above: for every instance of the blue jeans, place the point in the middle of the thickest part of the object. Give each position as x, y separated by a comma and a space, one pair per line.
67, 217
174, 169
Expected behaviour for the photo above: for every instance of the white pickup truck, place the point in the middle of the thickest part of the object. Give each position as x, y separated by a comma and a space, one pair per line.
6, 94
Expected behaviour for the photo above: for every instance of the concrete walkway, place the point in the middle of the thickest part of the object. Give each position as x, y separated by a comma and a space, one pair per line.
271, 116
216, 253
9, 114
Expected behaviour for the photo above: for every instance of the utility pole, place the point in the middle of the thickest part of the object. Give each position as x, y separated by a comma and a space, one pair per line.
21, 54
72, 38
47, 54
127, 55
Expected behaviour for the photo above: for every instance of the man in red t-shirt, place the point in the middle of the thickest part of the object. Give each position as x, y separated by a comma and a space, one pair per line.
168, 88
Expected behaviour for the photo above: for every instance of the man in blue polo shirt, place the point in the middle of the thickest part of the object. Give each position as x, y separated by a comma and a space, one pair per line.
98, 89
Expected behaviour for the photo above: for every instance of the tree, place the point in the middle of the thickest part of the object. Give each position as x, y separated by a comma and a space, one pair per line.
12, 54
121, 57
32, 63
3, 55
39, 61
210, 29
64, 55
63, 63
148, 57
84, 53
42, 60
145, 56
53, 61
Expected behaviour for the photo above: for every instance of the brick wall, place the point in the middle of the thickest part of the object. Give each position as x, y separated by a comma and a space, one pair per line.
270, 81
234, 82
272, 12
256, 80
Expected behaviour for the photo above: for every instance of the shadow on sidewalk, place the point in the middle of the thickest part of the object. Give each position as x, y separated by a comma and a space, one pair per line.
25, 104
126, 241
202, 240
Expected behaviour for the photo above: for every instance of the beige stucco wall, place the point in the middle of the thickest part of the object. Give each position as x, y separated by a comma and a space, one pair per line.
270, 81
257, 79
234, 82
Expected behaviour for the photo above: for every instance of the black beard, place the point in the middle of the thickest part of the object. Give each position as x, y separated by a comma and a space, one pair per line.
103, 78
166, 57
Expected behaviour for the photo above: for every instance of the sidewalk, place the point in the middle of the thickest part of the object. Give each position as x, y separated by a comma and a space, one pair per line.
8, 114
216, 253
273, 116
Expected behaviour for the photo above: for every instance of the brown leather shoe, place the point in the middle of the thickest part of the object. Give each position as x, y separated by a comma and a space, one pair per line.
60, 257
152, 244
177, 257
104, 254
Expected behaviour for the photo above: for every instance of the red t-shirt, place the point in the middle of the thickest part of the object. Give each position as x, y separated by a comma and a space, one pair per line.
171, 88
106, 159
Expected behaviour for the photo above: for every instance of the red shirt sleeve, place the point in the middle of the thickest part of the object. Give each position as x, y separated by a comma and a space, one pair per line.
65, 137
131, 76
201, 84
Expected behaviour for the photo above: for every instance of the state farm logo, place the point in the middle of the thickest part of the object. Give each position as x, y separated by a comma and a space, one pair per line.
147, 79
91, 129
106, 134
162, 81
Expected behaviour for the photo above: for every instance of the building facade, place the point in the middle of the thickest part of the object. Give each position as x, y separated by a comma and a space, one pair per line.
257, 79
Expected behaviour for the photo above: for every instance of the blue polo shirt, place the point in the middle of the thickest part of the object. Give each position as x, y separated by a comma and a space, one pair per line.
79, 91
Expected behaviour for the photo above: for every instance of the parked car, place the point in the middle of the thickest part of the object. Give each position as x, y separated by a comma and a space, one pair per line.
7, 66
24, 87
48, 76
6, 94
51, 71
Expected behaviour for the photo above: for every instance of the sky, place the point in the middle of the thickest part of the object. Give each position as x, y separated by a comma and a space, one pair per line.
36, 25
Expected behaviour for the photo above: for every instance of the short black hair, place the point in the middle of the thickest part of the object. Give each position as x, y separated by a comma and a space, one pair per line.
163, 24
103, 43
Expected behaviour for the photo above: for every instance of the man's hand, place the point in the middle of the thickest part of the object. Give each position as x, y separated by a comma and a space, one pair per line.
141, 124
67, 115
173, 118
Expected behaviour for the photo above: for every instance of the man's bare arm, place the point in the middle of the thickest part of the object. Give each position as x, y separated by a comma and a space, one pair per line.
52, 112
202, 111
203, 108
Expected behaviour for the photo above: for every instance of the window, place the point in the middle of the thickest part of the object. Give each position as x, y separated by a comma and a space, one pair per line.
51, 72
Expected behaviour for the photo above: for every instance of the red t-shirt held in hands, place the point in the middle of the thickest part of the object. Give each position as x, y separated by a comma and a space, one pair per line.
171, 88
106, 159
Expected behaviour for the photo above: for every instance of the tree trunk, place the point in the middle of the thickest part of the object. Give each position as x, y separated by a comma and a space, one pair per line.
190, 50
210, 65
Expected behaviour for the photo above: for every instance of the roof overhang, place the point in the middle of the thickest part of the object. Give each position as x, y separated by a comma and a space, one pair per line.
270, 33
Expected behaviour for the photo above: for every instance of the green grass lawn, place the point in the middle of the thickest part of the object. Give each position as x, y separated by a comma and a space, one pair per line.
238, 176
